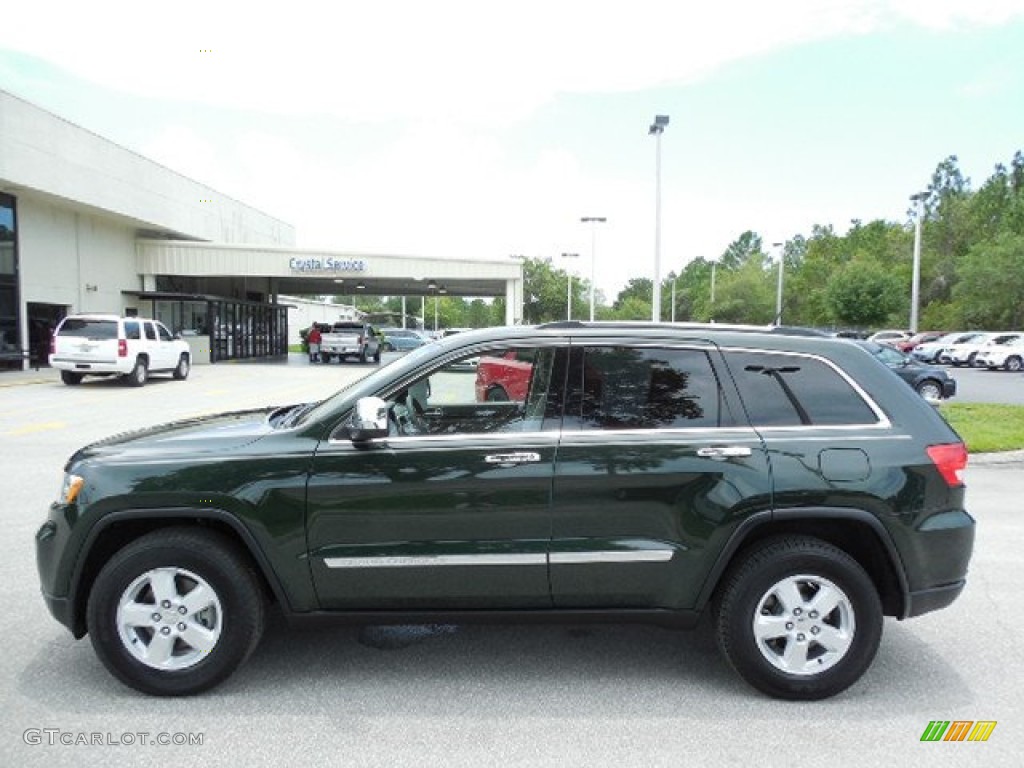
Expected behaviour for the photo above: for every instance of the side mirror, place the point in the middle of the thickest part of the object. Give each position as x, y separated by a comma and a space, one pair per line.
369, 420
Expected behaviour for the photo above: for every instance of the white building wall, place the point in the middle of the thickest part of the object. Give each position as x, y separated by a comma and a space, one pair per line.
75, 258
41, 151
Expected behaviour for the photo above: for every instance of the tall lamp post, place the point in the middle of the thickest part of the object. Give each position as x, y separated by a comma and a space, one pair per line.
778, 291
593, 221
656, 129
915, 283
568, 290
713, 265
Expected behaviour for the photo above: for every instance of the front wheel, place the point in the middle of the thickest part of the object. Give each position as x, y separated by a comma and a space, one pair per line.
182, 368
930, 390
1013, 363
175, 612
799, 618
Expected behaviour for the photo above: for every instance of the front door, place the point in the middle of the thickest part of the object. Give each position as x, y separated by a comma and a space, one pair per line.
452, 511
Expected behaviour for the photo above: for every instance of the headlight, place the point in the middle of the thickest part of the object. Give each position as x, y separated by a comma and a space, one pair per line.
70, 488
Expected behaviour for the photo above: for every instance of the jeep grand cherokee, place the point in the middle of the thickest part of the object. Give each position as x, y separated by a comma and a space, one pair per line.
647, 472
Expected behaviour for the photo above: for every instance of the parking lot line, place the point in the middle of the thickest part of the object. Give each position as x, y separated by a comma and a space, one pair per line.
45, 426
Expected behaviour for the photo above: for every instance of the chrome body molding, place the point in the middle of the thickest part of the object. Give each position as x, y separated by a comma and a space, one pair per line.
555, 558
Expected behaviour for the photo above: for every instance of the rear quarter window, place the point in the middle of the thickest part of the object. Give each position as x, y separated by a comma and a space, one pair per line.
794, 390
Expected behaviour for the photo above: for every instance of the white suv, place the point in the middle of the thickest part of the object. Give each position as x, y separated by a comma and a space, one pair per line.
108, 345
1009, 355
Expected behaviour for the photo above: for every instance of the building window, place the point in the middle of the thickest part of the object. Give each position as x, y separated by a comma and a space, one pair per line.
11, 353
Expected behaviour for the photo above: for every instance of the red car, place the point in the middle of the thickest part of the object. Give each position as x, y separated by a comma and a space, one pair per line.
504, 378
918, 338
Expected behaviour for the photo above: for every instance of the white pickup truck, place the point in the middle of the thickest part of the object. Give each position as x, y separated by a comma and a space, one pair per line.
350, 339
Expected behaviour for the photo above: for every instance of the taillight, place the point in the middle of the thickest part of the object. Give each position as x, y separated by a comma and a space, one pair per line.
122, 348
951, 460
360, 341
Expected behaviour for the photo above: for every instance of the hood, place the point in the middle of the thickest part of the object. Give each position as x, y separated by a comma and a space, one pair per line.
203, 434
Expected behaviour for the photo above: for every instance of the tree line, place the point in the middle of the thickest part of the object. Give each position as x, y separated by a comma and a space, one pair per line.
972, 272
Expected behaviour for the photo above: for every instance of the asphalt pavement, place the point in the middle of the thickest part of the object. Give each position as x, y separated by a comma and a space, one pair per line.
591, 695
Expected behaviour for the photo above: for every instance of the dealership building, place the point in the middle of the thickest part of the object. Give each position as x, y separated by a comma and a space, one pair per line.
89, 226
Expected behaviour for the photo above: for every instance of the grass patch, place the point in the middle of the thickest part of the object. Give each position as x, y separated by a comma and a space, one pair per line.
295, 348
987, 427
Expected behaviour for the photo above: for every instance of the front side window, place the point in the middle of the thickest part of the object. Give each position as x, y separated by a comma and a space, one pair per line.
794, 390
165, 335
504, 389
615, 388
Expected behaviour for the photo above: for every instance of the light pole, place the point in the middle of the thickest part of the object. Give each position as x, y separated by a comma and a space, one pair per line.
592, 221
713, 265
674, 281
656, 129
568, 290
915, 282
778, 290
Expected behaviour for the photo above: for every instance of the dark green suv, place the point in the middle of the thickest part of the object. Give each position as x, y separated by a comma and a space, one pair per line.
781, 483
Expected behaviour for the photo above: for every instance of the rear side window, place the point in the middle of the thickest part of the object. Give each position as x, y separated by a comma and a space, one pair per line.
614, 388
131, 330
85, 328
793, 390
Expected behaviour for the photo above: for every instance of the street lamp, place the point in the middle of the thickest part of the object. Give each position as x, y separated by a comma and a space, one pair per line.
656, 129
713, 265
592, 221
568, 290
674, 281
778, 290
915, 283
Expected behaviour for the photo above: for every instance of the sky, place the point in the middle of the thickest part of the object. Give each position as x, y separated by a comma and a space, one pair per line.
486, 130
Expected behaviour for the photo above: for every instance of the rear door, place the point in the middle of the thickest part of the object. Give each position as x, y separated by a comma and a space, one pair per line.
655, 470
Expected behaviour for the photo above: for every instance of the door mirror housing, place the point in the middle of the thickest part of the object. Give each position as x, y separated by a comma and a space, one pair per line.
369, 420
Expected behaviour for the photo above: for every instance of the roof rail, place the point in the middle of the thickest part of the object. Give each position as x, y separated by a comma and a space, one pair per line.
781, 330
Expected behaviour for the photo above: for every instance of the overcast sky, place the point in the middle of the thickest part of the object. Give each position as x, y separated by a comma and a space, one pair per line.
487, 129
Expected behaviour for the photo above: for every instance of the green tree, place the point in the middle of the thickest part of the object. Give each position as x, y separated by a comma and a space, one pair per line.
863, 294
991, 288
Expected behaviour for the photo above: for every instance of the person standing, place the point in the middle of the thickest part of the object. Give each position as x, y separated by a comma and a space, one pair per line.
314, 344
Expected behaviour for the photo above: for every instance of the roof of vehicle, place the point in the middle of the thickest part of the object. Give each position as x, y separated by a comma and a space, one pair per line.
102, 316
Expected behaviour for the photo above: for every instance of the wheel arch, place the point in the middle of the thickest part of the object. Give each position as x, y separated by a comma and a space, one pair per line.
855, 531
118, 529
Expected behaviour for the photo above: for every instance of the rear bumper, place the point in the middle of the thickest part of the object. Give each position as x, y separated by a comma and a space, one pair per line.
934, 599
91, 366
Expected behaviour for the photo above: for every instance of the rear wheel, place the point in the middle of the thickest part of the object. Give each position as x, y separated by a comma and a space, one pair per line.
1013, 363
139, 373
182, 368
799, 618
175, 612
70, 378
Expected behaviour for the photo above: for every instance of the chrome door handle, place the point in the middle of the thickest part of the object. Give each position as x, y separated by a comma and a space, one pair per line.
723, 452
511, 458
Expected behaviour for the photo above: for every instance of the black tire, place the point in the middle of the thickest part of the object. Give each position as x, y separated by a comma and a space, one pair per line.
237, 619
139, 373
362, 355
794, 566
1013, 363
182, 368
930, 389
497, 394
71, 378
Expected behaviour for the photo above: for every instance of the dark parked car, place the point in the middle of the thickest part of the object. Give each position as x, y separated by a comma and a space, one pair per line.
778, 483
929, 381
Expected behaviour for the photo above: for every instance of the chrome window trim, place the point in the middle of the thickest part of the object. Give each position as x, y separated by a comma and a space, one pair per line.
883, 420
